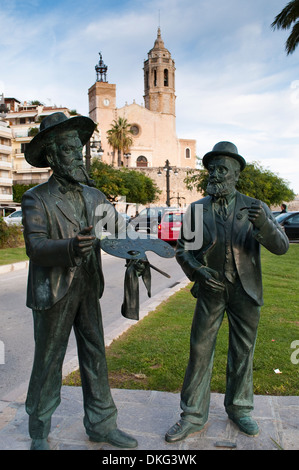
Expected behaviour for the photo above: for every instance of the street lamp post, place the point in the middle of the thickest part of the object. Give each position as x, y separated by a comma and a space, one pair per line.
87, 155
94, 144
127, 156
168, 169
178, 198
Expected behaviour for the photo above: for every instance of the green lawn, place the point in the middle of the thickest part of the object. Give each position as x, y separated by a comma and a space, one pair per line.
153, 353
12, 255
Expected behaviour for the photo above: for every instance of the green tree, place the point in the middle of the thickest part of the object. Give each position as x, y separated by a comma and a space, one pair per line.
32, 131
135, 186
120, 137
11, 236
36, 103
286, 19
254, 181
107, 179
140, 188
19, 189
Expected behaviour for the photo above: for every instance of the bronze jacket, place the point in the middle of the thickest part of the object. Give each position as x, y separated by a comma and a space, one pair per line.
48, 230
245, 243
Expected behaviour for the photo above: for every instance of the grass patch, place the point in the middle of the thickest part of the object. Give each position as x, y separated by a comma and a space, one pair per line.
11, 236
153, 353
13, 255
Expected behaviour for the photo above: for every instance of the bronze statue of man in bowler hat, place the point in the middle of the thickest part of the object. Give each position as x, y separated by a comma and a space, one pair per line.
65, 280
226, 271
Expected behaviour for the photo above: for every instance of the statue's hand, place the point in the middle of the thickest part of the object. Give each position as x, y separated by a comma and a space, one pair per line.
208, 278
83, 242
256, 214
139, 266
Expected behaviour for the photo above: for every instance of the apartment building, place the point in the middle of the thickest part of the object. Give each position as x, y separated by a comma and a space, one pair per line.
24, 120
6, 197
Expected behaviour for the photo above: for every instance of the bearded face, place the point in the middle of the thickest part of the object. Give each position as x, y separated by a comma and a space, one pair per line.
219, 189
223, 176
66, 159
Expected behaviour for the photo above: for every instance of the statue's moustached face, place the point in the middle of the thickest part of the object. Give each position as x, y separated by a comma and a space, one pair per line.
68, 159
223, 176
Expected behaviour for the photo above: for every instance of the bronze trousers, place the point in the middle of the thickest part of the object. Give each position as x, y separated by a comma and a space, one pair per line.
80, 309
243, 316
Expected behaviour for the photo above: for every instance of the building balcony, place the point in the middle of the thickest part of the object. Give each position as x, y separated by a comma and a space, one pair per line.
18, 153
24, 167
5, 149
22, 137
5, 180
21, 165
6, 197
5, 165
5, 132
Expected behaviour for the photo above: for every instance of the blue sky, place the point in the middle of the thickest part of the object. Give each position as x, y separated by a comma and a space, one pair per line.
234, 80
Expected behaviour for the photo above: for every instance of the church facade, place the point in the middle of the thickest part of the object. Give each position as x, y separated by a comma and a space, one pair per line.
153, 125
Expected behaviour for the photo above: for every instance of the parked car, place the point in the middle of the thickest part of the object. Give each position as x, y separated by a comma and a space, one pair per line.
170, 225
125, 216
148, 219
15, 218
290, 222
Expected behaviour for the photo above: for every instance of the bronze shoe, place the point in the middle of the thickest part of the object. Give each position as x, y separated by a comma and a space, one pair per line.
246, 424
181, 430
116, 438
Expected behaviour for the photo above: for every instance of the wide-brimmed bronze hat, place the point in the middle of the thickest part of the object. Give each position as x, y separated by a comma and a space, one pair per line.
35, 152
228, 150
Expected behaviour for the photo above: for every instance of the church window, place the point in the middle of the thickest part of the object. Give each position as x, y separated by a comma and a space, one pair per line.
141, 161
187, 153
155, 77
134, 129
165, 77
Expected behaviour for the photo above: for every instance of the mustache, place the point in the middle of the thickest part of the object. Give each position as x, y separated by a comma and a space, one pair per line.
78, 174
218, 189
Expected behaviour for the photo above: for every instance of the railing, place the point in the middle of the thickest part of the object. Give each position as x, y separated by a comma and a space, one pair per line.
22, 165
6, 197
6, 180
29, 181
5, 148
4, 164
20, 134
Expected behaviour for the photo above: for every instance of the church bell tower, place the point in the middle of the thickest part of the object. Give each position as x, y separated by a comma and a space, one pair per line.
159, 79
102, 95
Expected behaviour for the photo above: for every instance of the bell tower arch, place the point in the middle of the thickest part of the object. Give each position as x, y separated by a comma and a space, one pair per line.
159, 79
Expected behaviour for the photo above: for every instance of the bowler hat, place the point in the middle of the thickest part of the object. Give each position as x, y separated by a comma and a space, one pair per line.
227, 149
35, 152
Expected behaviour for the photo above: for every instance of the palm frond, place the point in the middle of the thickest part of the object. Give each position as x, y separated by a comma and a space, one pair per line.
293, 39
287, 16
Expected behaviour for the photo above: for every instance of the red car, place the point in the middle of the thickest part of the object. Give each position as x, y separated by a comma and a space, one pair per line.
170, 225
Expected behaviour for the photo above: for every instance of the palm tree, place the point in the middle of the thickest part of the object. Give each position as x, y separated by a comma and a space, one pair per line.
119, 137
287, 18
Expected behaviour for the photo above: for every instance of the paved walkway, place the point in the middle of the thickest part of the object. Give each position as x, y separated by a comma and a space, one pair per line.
147, 415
